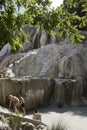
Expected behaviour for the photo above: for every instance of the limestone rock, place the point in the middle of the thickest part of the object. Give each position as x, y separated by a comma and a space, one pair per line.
55, 60
5, 50
63, 60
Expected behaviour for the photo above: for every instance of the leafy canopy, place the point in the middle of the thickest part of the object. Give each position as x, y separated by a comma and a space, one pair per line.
70, 18
12, 19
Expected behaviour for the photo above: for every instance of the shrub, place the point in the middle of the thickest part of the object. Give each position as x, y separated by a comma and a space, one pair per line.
15, 121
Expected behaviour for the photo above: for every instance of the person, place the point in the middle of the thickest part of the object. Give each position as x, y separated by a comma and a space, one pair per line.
22, 104
15, 101
37, 115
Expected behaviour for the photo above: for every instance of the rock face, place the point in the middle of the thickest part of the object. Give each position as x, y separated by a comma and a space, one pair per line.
39, 92
36, 92
64, 61
53, 60
38, 39
5, 50
69, 91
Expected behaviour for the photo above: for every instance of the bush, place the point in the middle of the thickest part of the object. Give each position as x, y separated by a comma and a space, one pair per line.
16, 121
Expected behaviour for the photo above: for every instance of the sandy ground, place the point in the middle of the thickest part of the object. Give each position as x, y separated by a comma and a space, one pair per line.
73, 118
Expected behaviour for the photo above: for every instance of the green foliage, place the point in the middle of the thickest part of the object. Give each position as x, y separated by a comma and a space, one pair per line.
73, 20
12, 19
78, 7
10, 24
51, 77
70, 18
16, 121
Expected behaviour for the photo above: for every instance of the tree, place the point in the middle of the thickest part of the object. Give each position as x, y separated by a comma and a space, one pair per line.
77, 7
70, 18
12, 19
75, 19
